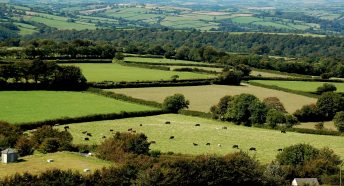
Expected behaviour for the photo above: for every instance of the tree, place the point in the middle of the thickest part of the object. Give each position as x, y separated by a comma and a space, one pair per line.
243, 68
230, 77
297, 154
24, 146
175, 103
49, 145
9, 135
274, 117
274, 103
339, 121
326, 87
329, 104
308, 113
220, 109
119, 56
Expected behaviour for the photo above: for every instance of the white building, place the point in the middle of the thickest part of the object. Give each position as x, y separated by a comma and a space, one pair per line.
305, 181
9, 156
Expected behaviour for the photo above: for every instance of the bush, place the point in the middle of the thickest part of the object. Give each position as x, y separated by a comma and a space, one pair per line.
308, 113
274, 103
319, 126
230, 78
24, 146
9, 135
155, 153
329, 104
297, 154
175, 103
339, 121
49, 145
326, 88
274, 117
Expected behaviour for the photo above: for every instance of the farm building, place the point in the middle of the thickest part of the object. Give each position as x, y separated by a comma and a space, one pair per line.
9, 156
305, 181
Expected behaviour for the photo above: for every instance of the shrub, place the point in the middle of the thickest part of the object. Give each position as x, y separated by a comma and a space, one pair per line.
49, 145
175, 103
319, 126
329, 104
339, 121
230, 78
297, 154
274, 103
155, 153
9, 135
24, 146
274, 117
326, 88
308, 113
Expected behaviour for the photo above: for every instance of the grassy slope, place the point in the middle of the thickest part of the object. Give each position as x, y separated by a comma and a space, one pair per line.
203, 97
116, 72
266, 141
300, 85
62, 160
30, 106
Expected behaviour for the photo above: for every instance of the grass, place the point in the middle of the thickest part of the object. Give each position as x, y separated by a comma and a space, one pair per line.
299, 85
37, 163
329, 125
118, 73
182, 127
203, 97
30, 106
61, 24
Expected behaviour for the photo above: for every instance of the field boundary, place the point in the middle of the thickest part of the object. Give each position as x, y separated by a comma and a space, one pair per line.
88, 118
177, 64
284, 89
247, 78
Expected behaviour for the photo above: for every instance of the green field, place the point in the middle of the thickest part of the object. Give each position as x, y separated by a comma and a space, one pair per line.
37, 163
164, 60
30, 106
60, 23
299, 85
117, 73
203, 97
182, 128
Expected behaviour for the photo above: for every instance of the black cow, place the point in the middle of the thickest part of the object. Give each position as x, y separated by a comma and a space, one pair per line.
130, 129
197, 125
283, 131
140, 125
152, 142
195, 144
280, 149
86, 139
208, 144
225, 128
172, 137
167, 122
253, 149
104, 137
84, 132
89, 134
235, 146
66, 127
111, 130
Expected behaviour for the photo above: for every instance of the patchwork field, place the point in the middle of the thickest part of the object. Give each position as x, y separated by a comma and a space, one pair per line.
183, 129
62, 160
29, 106
116, 72
300, 85
203, 97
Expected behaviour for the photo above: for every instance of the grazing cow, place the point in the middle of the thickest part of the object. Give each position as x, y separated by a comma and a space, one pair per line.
134, 131
197, 125
111, 130
167, 122
104, 137
219, 145
140, 125
66, 127
280, 149
172, 137
130, 129
208, 144
283, 131
225, 128
253, 149
84, 132
195, 144
152, 142
235, 146
86, 139
89, 134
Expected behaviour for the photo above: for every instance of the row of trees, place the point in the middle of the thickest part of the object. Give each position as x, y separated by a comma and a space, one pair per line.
48, 74
248, 110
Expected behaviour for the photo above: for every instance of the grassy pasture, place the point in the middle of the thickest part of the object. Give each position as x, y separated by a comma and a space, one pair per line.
183, 129
60, 23
37, 163
299, 85
116, 72
204, 68
329, 125
203, 97
30, 106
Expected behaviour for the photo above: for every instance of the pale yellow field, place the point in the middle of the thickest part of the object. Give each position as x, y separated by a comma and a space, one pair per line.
203, 97
329, 125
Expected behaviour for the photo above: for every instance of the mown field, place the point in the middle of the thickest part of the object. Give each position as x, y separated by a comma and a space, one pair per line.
117, 73
203, 97
30, 106
37, 163
299, 85
183, 129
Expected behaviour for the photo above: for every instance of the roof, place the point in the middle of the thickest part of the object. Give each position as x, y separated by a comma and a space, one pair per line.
306, 181
8, 151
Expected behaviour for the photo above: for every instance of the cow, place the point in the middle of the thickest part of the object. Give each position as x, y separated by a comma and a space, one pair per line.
66, 128
208, 144
197, 125
130, 129
86, 139
283, 131
195, 144
235, 146
225, 128
89, 134
167, 122
152, 142
84, 132
140, 125
253, 149
172, 137
111, 130
280, 150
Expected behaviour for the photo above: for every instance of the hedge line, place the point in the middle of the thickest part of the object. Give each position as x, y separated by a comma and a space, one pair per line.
247, 78
313, 131
124, 97
284, 89
197, 70
110, 84
195, 113
38, 86
89, 118
143, 56
178, 64
81, 61
145, 66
